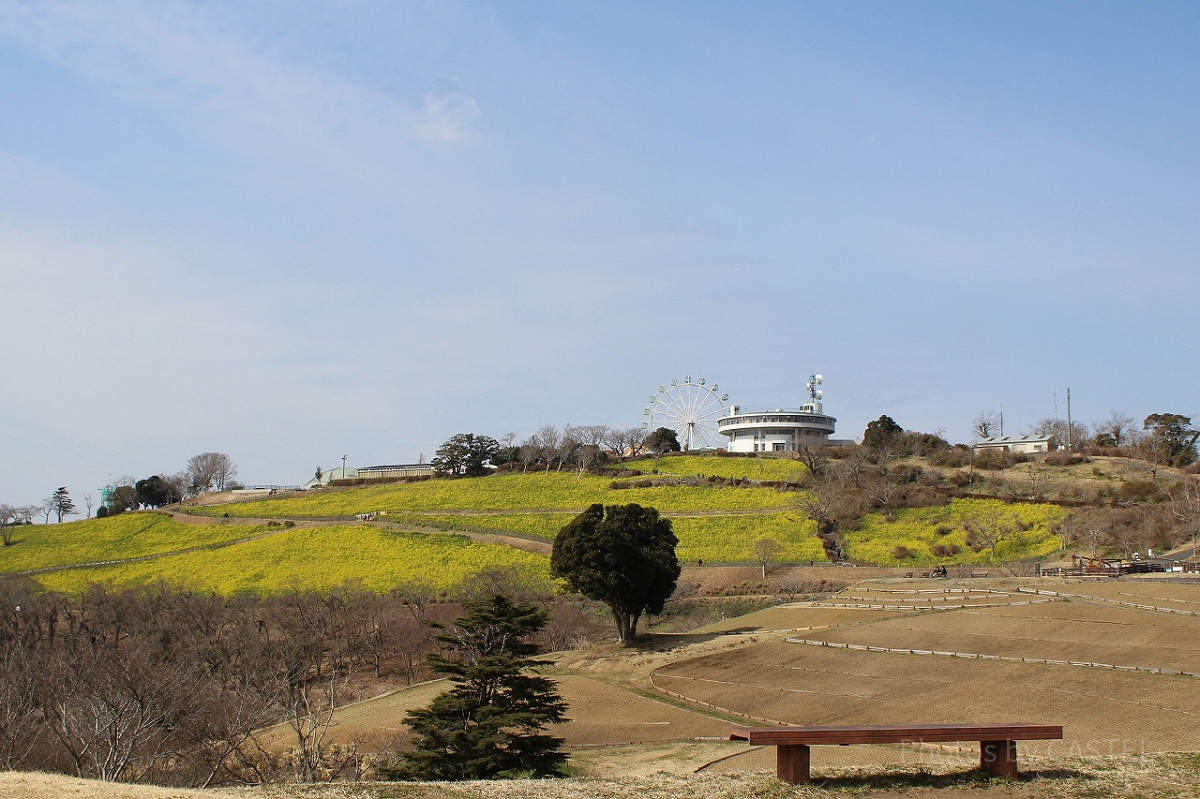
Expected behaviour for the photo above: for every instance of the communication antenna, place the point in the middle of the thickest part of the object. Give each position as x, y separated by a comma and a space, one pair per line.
813, 381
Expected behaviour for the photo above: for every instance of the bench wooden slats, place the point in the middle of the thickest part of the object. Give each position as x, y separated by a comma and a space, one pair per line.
997, 742
893, 734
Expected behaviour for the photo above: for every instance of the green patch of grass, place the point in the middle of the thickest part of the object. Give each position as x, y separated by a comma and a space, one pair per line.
758, 468
919, 530
127, 535
316, 558
543, 526
519, 493
720, 539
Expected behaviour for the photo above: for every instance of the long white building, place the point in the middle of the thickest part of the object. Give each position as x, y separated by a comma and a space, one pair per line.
780, 430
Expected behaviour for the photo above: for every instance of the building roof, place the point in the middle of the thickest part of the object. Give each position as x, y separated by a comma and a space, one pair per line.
1013, 440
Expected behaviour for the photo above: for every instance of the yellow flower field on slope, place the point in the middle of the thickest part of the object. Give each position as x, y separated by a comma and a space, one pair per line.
315, 558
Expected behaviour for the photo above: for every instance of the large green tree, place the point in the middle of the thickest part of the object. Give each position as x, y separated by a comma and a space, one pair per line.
1174, 433
489, 724
661, 440
881, 432
623, 556
156, 491
466, 454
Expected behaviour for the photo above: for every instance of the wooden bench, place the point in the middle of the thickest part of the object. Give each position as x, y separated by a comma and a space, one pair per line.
979, 574
997, 742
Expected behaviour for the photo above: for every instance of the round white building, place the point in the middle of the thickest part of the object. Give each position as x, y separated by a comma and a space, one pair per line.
779, 430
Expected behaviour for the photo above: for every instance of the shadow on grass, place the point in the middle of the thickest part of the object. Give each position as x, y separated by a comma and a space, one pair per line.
896, 781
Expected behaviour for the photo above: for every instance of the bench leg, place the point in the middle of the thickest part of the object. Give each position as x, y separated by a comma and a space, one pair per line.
999, 758
791, 763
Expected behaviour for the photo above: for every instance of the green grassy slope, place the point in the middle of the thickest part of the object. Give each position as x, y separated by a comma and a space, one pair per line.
919, 530
504, 492
317, 558
716, 523
130, 535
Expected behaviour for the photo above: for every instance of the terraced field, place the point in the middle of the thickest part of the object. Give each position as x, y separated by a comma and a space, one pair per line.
314, 558
540, 491
759, 468
1103, 710
797, 684
129, 535
1058, 631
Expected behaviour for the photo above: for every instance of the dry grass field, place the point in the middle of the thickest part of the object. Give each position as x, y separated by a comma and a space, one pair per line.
649, 721
1150, 777
1059, 631
796, 618
1146, 591
1101, 709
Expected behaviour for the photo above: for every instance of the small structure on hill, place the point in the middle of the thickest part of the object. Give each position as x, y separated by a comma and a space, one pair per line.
1019, 444
389, 472
779, 430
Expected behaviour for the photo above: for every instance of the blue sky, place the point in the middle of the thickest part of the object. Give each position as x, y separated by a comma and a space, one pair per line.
291, 231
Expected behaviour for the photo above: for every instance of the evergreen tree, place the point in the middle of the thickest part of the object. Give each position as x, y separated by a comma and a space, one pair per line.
62, 504
621, 555
489, 724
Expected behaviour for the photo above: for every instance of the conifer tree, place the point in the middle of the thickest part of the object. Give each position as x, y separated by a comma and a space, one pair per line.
489, 724
62, 504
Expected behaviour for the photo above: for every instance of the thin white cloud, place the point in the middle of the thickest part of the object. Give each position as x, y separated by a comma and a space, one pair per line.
447, 115
235, 91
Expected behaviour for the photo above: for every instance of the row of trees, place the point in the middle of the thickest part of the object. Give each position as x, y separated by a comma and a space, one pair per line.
208, 471
171, 686
204, 472
59, 504
578, 447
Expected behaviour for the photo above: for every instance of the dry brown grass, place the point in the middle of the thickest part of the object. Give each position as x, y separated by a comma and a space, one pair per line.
1060, 631
620, 729
1150, 776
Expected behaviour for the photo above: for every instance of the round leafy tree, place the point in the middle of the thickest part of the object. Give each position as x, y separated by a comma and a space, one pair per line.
489, 724
623, 556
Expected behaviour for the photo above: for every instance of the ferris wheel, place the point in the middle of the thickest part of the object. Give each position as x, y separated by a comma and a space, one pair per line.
690, 408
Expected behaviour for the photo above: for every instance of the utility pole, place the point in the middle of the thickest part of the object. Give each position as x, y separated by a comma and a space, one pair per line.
1070, 432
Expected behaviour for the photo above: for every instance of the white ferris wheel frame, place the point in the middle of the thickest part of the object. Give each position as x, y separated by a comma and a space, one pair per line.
690, 408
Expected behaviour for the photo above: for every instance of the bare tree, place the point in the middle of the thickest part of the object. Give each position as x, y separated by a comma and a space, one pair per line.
1117, 428
8, 524
986, 424
529, 453
1086, 526
210, 470
765, 551
636, 437
991, 533
1077, 434
20, 730
549, 443
110, 707
1185, 507
815, 459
